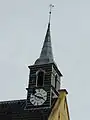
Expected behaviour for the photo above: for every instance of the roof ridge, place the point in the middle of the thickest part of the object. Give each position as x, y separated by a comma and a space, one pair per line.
11, 101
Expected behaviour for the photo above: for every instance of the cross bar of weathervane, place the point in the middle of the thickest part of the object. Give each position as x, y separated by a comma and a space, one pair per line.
51, 6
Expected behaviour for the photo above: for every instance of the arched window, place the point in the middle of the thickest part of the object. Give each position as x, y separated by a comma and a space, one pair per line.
40, 78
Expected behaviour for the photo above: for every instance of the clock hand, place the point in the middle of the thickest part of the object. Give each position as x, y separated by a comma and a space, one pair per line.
39, 97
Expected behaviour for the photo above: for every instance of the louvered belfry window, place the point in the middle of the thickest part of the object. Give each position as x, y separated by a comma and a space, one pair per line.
40, 78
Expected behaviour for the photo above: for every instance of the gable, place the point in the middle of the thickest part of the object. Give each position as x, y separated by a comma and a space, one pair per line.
60, 109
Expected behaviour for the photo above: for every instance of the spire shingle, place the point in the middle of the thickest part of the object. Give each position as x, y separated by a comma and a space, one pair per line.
46, 55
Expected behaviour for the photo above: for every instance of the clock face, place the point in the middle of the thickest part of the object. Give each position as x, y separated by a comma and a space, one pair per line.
39, 97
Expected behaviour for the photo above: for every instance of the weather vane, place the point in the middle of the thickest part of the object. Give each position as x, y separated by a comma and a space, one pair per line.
51, 6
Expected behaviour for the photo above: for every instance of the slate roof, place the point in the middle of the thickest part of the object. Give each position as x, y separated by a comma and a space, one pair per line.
15, 110
46, 55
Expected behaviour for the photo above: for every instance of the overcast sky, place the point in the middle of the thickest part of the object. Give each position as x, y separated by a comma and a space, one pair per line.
23, 24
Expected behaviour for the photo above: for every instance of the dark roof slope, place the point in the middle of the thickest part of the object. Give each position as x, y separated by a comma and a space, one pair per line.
15, 110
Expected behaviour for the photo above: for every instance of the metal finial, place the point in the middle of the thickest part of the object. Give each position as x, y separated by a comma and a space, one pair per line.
51, 6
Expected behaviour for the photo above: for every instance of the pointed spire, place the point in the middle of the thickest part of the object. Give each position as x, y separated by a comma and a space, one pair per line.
46, 55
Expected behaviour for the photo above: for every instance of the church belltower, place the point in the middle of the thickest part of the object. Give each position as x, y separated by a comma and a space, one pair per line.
45, 99
44, 78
